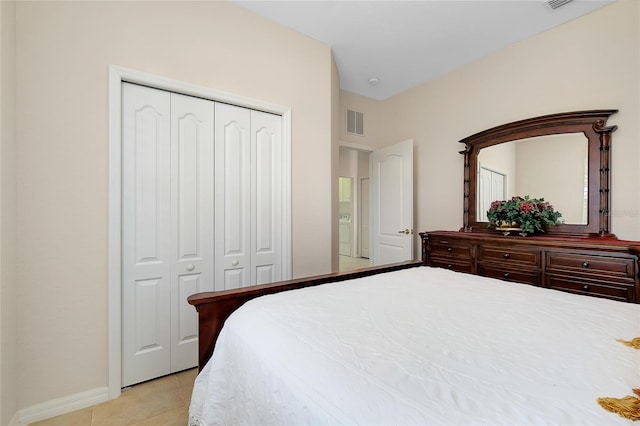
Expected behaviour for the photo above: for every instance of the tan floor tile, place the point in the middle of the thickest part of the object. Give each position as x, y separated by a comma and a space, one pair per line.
352, 263
164, 401
178, 417
135, 405
185, 393
75, 418
186, 378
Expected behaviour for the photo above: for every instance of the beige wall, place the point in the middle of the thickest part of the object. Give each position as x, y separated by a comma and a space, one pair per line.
8, 285
589, 63
63, 53
373, 111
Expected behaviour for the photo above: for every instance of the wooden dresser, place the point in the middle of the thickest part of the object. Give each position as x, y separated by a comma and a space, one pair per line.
596, 266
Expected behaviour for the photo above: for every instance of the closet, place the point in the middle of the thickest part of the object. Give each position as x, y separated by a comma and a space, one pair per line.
201, 211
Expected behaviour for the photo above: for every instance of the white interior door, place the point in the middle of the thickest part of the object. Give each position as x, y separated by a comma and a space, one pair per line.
233, 196
146, 221
266, 198
167, 233
192, 235
391, 180
249, 192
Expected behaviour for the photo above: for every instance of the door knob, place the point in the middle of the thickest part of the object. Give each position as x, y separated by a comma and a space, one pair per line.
235, 262
190, 267
406, 231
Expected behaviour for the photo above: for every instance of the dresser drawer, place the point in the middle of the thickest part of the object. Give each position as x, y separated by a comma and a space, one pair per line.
452, 263
587, 265
450, 248
510, 274
600, 289
508, 255
593, 266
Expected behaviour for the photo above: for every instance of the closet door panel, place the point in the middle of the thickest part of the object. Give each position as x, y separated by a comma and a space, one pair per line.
232, 196
146, 254
201, 211
266, 210
192, 153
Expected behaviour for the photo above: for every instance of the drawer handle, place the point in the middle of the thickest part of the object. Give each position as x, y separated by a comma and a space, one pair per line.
585, 264
585, 287
449, 266
506, 255
506, 274
449, 249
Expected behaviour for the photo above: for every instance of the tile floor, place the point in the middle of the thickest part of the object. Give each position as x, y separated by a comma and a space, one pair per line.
350, 263
160, 402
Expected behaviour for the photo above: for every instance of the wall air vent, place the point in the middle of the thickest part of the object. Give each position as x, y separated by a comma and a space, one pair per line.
554, 4
355, 123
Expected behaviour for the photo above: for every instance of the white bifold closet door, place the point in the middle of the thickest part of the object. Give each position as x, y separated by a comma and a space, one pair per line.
167, 234
248, 197
186, 215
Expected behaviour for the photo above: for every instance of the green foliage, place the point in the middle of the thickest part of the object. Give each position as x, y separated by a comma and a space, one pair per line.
530, 214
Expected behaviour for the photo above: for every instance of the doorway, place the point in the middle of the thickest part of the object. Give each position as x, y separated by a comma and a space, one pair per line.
382, 215
353, 202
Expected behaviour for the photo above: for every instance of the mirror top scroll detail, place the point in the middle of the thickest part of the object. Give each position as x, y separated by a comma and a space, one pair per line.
563, 158
525, 167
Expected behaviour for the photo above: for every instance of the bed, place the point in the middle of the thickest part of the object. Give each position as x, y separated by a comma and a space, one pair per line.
417, 345
487, 329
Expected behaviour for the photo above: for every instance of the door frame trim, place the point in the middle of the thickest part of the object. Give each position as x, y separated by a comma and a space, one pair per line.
118, 75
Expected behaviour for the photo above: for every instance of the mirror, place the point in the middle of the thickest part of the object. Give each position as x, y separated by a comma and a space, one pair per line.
524, 167
563, 158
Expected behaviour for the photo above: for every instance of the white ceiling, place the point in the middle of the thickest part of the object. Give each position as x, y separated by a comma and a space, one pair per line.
406, 43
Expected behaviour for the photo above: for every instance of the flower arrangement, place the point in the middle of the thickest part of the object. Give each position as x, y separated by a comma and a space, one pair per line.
528, 214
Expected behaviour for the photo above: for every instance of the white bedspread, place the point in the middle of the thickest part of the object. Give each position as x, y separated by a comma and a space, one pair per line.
416, 347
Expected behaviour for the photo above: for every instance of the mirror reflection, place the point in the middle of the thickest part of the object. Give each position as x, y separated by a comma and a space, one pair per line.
525, 167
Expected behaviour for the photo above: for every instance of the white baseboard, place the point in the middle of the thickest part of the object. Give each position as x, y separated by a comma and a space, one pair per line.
64, 405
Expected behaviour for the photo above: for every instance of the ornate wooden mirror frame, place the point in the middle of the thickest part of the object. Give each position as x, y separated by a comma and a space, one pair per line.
593, 124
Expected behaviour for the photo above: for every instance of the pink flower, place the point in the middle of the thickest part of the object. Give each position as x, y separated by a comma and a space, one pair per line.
526, 208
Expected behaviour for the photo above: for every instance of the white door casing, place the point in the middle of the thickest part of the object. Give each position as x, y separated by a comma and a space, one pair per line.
391, 181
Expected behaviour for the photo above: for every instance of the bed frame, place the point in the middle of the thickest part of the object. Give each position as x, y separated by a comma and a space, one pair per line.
215, 307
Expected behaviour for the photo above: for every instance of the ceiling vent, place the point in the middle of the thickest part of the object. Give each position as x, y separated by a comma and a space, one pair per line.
355, 123
554, 4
